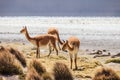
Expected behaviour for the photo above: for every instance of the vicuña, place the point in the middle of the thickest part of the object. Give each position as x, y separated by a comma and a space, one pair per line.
72, 46
40, 40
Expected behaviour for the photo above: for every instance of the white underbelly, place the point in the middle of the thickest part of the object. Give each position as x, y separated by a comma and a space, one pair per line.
40, 45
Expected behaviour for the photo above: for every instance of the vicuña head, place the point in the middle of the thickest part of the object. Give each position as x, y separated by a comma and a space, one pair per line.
23, 30
66, 47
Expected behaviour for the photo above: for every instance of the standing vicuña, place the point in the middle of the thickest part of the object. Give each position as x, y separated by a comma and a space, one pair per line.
72, 45
54, 31
40, 40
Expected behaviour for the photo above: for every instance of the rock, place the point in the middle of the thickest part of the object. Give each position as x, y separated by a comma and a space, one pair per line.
117, 55
102, 55
97, 52
23, 43
104, 50
87, 49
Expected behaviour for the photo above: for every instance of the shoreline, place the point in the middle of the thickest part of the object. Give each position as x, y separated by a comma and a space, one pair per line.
85, 44
87, 48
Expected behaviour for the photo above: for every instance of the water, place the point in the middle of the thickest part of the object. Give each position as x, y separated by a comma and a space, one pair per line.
93, 32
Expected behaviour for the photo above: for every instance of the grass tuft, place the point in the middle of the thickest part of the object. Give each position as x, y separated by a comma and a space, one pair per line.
117, 60
61, 72
18, 55
22, 77
33, 75
37, 66
104, 73
47, 76
9, 65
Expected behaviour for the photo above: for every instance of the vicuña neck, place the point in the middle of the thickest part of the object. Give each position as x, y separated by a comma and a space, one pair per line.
59, 39
27, 35
69, 47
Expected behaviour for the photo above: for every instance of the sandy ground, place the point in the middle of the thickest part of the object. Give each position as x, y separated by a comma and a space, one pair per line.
86, 63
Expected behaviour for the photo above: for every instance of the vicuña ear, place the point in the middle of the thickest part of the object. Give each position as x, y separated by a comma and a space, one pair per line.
63, 41
66, 41
25, 27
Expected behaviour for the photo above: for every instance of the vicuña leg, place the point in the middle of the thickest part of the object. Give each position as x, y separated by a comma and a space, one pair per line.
54, 46
75, 60
59, 46
49, 50
37, 52
71, 61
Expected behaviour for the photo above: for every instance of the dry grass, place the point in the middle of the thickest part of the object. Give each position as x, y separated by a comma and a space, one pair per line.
2, 78
8, 63
33, 75
40, 70
87, 63
57, 57
61, 72
103, 73
37, 66
47, 76
22, 76
117, 60
18, 55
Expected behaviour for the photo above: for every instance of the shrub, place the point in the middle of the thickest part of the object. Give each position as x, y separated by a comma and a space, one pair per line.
103, 73
47, 76
61, 72
33, 75
22, 76
8, 63
37, 66
18, 55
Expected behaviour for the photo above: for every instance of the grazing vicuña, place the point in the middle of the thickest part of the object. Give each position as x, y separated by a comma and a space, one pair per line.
72, 45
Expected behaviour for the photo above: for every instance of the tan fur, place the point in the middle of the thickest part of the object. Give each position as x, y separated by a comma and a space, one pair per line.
72, 45
41, 40
54, 31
